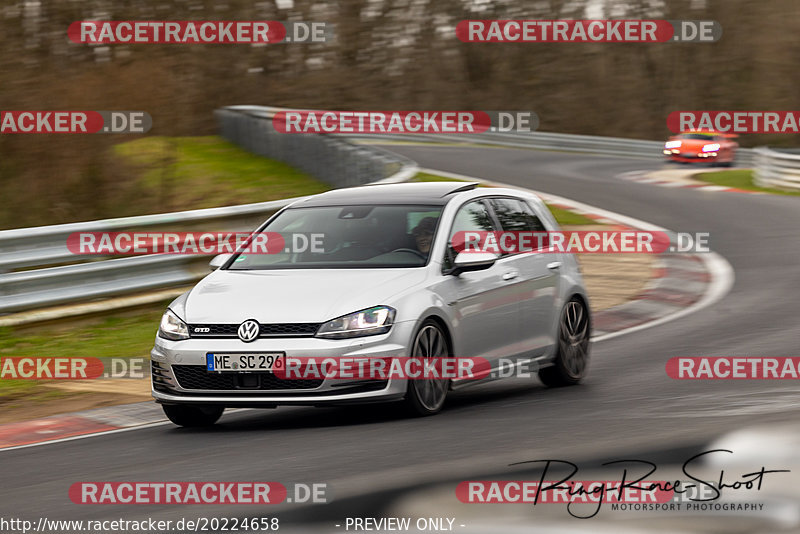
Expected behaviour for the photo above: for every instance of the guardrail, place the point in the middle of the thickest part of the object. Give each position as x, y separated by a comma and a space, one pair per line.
586, 144
332, 159
47, 245
777, 168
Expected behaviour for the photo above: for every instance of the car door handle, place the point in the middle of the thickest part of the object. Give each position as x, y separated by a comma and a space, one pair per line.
510, 275
554, 265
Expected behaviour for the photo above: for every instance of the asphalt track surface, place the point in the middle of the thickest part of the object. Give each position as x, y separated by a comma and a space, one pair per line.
627, 405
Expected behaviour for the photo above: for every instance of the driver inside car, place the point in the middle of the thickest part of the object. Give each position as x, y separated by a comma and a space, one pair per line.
423, 234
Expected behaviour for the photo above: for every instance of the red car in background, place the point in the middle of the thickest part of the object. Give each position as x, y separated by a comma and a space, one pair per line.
702, 146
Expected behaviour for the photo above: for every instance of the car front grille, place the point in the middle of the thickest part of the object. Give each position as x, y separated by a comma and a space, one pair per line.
197, 377
265, 330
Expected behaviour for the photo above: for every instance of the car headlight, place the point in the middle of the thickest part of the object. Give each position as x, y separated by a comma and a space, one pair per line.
172, 328
672, 144
377, 320
713, 147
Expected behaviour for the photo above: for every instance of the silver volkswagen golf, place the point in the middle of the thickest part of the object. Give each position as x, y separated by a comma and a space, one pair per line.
386, 280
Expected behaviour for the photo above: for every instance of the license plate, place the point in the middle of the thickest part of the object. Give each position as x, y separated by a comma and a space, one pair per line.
244, 361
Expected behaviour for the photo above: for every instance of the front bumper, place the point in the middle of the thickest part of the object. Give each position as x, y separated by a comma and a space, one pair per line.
192, 384
693, 157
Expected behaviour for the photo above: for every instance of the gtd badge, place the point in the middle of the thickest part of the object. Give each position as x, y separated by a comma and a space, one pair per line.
248, 330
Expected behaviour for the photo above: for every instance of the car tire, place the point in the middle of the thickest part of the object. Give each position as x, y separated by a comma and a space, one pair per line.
572, 347
426, 397
193, 416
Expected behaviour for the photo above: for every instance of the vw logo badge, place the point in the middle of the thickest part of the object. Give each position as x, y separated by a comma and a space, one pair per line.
248, 331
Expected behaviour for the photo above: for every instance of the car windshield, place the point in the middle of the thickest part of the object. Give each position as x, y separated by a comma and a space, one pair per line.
698, 136
358, 236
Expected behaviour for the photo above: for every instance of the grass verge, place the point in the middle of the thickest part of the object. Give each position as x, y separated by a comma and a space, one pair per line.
204, 172
123, 335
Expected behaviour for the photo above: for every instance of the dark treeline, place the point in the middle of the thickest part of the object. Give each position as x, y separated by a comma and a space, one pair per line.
386, 54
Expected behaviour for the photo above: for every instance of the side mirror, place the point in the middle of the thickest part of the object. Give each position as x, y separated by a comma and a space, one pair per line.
218, 261
472, 261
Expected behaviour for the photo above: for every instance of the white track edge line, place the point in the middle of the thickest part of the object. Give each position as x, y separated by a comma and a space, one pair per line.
83, 436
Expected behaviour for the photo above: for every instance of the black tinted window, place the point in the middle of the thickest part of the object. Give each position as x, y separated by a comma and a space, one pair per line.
349, 237
516, 216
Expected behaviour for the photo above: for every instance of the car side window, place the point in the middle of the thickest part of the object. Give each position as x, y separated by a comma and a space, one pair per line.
516, 216
471, 217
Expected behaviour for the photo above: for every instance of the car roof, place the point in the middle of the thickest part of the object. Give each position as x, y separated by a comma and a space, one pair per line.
428, 193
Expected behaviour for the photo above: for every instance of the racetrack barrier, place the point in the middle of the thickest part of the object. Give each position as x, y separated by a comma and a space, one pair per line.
777, 168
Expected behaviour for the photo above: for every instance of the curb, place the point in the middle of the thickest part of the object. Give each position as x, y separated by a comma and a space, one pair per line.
678, 281
70, 426
678, 178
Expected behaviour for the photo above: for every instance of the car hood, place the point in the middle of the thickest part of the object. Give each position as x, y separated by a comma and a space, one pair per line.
293, 296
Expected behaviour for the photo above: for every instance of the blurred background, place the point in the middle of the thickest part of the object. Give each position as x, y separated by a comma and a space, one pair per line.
386, 54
